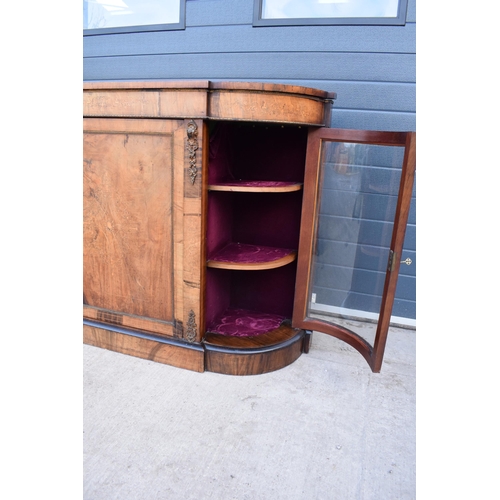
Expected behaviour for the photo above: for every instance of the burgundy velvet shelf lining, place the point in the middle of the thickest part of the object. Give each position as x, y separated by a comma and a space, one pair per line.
243, 323
250, 254
257, 184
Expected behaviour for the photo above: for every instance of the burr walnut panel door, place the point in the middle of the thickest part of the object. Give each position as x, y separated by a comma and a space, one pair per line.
133, 201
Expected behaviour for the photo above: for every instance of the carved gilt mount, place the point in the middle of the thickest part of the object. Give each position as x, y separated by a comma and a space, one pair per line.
191, 327
192, 146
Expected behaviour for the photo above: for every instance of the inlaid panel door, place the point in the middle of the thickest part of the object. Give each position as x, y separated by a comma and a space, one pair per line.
357, 194
142, 222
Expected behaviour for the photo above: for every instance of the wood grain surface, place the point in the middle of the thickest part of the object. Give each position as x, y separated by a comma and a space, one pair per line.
160, 352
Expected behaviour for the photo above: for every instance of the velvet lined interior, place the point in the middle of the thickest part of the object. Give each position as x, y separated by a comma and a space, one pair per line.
244, 323
266, 219
262, 184
256, 152
261, 155
270, 292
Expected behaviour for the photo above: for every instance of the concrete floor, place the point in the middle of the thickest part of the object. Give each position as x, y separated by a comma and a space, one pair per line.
324, 427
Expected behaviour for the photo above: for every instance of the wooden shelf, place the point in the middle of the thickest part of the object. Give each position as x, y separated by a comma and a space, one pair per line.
256, 186
240, 257
268, 339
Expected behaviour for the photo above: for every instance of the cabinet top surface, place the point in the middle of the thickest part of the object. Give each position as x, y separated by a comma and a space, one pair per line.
210, 86
203, 99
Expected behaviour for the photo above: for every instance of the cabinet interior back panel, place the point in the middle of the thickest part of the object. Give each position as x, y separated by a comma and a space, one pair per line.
128, 222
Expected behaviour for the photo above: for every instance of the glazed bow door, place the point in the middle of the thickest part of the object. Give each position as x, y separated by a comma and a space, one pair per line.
357, 193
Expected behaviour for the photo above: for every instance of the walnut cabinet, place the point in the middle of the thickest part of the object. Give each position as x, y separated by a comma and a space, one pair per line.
207, 222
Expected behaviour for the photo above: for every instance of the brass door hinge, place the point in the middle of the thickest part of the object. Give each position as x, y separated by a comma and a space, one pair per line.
392, 261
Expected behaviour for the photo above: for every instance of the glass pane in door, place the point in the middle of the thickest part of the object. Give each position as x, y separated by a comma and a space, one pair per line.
358, 194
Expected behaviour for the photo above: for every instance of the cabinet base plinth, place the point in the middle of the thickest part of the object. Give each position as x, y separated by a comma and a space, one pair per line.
240, 356
218, 354
143, 345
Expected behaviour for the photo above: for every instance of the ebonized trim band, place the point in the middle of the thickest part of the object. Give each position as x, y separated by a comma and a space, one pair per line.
255, 350
144, 335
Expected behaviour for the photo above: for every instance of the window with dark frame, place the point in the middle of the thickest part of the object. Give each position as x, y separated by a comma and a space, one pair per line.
127, 16
329, 12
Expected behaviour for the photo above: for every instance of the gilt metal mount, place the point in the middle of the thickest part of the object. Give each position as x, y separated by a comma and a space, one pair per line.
191, 327
192, 146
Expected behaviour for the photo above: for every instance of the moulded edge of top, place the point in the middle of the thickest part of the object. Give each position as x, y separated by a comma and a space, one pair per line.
240, 101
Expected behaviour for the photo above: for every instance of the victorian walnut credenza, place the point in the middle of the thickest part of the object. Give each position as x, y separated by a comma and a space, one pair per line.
204, 236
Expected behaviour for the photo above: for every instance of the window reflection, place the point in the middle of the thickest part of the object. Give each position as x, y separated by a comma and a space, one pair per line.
358, 197
294, 9
98, 14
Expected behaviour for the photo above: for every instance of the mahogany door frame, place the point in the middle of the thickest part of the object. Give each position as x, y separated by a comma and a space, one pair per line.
310, 207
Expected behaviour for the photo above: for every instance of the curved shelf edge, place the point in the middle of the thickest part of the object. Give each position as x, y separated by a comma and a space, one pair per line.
241, 257
256, 187
259, 266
